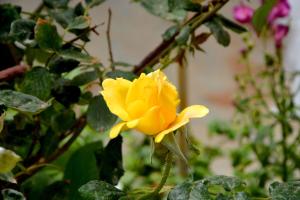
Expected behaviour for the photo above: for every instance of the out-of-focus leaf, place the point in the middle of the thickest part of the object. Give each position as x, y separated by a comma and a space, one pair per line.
285, 191
84, 78
76, 55
8, 13
183, 35
38, 82
56, 3
260, 17
100, 190
161, 8
170, 32
10, 194
80, 22
2, 115
82, 168
66, 116
231, 24
8, 160
121, 74
109, 161
189, 191
221, 35
99, 116
47, 36
60, 65
92, 3
22, 102
22, 29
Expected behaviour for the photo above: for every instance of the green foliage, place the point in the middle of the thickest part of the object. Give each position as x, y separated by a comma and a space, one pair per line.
10, 194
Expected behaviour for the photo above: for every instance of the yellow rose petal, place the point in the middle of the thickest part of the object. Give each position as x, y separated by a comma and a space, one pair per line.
150, 123
114, 93
114, 131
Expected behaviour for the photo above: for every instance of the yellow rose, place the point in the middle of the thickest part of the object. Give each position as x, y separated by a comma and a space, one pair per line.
147, 104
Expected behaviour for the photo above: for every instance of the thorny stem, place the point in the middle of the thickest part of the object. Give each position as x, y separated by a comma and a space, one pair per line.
167, 45
166, 172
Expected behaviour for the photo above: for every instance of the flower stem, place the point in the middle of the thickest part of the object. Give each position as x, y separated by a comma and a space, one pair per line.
166, 172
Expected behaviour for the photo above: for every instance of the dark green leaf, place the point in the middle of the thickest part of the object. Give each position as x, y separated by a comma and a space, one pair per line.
82, 168
189, 191
84, 78
67, 117
92, 3
260, 17
56, 3
8, 14
38, 82
187, 5
80, 22
231, 25
285, 191
60, 65
47, 36
170, 32
161, 8
58, 190
99, 116
109, 161
63, 17
241, 196
76, 55
22, 29
10, 194
121, 74
100, 190
22, 102
218, 32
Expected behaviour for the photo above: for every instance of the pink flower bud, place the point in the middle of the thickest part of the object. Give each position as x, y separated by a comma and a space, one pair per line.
243, 13
281, 9
280, 31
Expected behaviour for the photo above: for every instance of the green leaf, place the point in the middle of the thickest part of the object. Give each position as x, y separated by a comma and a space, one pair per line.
161, 8
100, 190
241, 196
8, 14
169, 141
260, 17
47, 36
221, 35
285, 191
80, 22
22, 29
189, 191
76, 55
67, 116
227, 182
183, 35
10, 194
60, 65
38, 82
170, 32
56, 3
84, 78
82, 168
99, 116
92, 3
22, 102
109, 161
231, 24
121, 74
8, 160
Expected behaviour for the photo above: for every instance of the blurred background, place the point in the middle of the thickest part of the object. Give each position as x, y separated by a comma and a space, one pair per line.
210, 74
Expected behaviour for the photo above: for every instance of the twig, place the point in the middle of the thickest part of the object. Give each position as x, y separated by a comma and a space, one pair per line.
111, 58
167, 45
12, 72
93, 28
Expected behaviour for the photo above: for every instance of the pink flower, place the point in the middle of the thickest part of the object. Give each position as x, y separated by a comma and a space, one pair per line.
243, 13
281, 9
280, 31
